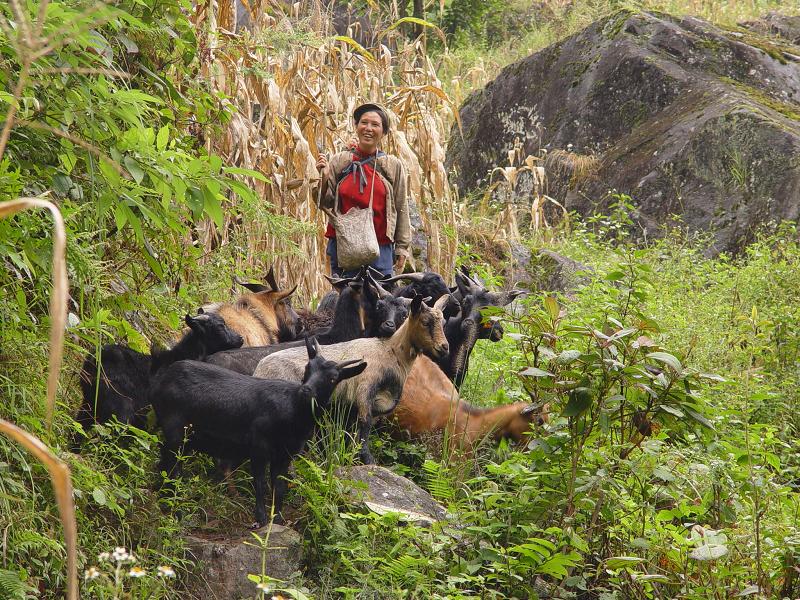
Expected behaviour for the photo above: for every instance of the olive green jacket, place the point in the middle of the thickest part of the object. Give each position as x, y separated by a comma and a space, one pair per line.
391, 171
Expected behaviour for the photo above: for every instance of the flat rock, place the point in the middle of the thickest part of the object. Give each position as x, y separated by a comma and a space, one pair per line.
687, 118
384, 491
225, 563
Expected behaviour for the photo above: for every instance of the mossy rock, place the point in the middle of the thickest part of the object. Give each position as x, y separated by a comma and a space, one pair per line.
688, 118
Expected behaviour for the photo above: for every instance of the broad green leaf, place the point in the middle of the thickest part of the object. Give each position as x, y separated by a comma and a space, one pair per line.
699, 418
99, 496
664, 515
616, 562
709, 552
241, 190
212, 206
120, 215
580, 399
672, 410
668, 359
134, 169
246, 173
162, 138
535, 372
657, 577
773, 460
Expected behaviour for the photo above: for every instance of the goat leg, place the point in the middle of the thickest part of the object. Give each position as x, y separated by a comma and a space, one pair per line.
258, 468
364, 427
279, 468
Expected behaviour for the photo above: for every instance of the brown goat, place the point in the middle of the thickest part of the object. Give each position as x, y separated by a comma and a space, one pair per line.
430, 403
262, 317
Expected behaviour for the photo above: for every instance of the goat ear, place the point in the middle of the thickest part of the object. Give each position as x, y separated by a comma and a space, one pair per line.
416, 304
192, 322
462, 285
311, 347
253, 287
348, 369
200, 311
452, 309
528, 409
467, 304
270, 279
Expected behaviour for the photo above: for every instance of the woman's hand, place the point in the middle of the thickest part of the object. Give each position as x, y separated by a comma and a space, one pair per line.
322, 163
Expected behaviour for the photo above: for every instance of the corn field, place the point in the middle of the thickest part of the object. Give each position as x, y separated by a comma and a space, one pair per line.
290, 107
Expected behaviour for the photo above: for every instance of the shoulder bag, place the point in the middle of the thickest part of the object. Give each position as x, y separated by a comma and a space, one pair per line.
356, 242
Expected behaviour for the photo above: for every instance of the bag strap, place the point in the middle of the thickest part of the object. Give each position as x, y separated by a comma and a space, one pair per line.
357, 169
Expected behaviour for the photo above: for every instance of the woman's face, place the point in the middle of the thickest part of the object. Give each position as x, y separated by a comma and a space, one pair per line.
369, 130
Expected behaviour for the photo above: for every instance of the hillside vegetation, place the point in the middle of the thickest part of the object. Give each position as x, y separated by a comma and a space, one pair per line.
668, 467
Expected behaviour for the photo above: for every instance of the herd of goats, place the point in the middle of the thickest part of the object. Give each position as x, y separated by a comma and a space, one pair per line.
250, 378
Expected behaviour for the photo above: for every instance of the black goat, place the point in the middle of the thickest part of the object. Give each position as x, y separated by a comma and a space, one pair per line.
470, 325
388, 312
120, 387
237, 417
428, 284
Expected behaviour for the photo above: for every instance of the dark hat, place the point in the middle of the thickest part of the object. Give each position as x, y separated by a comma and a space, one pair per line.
369, 107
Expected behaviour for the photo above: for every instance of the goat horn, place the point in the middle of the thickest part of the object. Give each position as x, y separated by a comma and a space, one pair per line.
270, 279
283, 295
504, 298
416, 277
335, 280
441, 302
382, 293
348, 363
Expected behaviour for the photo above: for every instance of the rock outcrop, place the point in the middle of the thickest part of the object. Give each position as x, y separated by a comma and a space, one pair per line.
685, 117
784, 26
225, 563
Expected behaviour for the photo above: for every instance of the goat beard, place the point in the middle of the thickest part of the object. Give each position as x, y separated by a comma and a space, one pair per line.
459, 361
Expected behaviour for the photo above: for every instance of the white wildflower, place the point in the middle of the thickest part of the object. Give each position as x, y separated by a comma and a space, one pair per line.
104, 556
137, 572
264, 587
91, 573
120, 554
165, 571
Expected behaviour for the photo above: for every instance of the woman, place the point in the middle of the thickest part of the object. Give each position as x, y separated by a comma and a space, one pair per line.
365, 171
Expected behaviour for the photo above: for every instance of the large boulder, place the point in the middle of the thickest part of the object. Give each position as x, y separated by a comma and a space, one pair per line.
383, 491
685, 117
224, 562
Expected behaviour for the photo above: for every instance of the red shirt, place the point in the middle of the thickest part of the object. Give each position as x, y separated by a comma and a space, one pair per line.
349, 196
